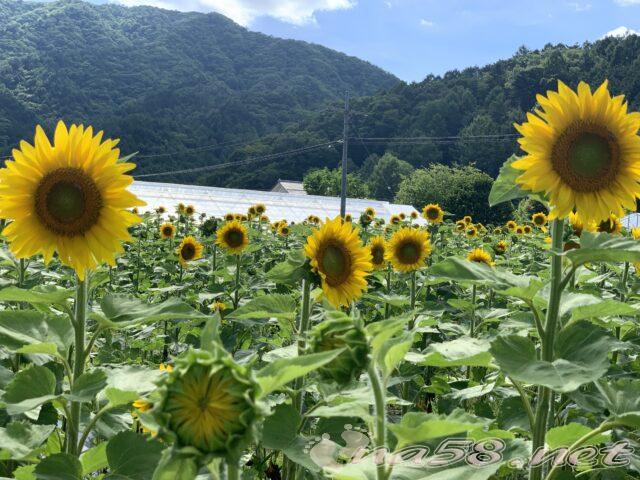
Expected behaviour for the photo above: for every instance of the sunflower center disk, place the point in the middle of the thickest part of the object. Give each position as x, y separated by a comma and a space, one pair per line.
432, 213
234, 238
586, 157
378, 255
409, 253
188, 251
68, 202
336, 264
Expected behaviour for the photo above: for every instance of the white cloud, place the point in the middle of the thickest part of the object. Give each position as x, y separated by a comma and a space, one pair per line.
426, 23
621, 32
297, 12
627, 3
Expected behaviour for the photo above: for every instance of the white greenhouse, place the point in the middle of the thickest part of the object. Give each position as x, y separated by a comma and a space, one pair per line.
288, 206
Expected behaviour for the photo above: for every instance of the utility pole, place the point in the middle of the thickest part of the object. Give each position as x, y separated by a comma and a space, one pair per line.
345, 149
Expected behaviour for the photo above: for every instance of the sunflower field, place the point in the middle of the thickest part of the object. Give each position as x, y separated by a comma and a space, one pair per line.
165, 344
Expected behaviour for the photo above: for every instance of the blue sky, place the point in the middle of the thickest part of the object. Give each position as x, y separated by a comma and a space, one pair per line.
414, 38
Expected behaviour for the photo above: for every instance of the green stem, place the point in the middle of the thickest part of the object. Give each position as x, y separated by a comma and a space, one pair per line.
79, 326
413, 298
542, 410
623, 290
386, 305
474, 294
291, 469
236, 293
303, 327
525, 403
233, 471
21, 271
380, 437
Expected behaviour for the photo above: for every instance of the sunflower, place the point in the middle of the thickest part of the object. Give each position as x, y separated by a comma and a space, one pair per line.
539, 219
583, 152
520, 230
527, 229
160, 210
189, 250
576, 223
229, 217
189, 210
408, 248
511, 225
479, 255
218, 307
348, 218
394, 220
433, 213
467, 219
165, 368
377, 250
471, 231
338, 256
370, 211
461, 226
283, 230
70, 197
610, 225
498, 231
251, 211
233, 237
402, 216
260, 208
209, 404
167, 230
180, 208
500, 247
414, 215
264, 219
635, 233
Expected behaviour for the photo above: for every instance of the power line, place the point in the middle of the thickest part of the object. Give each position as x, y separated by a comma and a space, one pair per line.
247, 161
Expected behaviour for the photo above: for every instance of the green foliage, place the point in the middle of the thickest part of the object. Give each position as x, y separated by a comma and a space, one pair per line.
387, 175
161, 80
328, 183
459, 190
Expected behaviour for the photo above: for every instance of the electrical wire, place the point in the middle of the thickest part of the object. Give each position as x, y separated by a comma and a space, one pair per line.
247, 161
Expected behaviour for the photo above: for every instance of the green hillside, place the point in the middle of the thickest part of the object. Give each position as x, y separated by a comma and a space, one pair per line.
478, 104
163, 81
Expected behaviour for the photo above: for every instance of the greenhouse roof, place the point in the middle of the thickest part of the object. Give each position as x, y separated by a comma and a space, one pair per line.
217, 202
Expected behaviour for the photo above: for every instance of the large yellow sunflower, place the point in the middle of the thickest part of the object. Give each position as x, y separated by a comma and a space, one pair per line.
433, 213
233, 237
167, 230
338, 256
408, 248
189, 250
583, 152
377, 250
68, 197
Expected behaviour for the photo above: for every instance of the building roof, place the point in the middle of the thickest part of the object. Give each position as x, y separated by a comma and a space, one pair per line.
289, 186
217, 202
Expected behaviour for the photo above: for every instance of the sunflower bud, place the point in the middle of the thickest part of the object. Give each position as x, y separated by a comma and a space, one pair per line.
208, 403
339, 333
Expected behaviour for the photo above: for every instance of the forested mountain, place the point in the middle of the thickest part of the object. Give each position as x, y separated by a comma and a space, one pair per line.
162, 81
190, 90
476, 104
